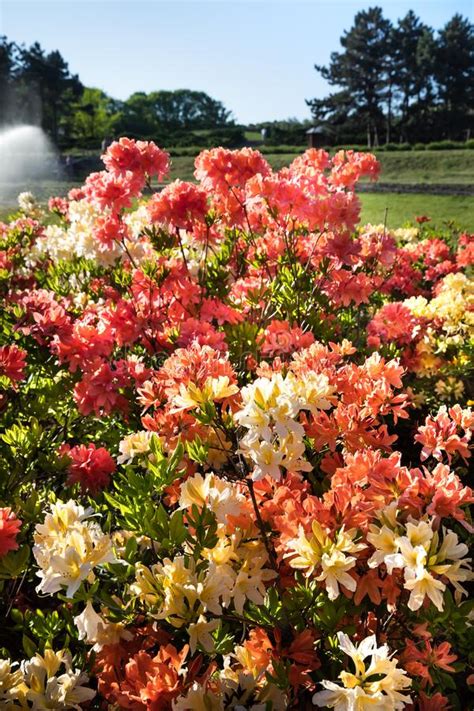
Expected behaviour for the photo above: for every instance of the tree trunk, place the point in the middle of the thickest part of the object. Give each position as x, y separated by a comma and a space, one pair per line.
376, 137
388, 132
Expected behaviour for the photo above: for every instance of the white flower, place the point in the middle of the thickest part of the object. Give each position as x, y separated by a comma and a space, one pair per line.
374, 685
68, 547
384, 540
334, 572
27, 202
12, 687
46, 689
221, 497
200, 634
419, 554
275, 437
319, 551
95, 630
134, 445
422, 583
198, 699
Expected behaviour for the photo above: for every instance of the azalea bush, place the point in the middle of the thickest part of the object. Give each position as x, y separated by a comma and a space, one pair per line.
235, 445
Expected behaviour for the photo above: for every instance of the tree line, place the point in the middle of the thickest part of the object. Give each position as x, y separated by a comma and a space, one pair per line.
38, 87
402, 82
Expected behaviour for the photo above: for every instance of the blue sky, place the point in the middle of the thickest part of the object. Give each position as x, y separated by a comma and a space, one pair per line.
256, 56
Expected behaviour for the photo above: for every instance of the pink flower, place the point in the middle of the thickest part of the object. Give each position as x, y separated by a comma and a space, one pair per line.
279, 338
441, 433
112, 190
9, 528
91, 467
465, 253
178, 206
393, 323
136, 156
13, 363
58, 205
220, 168
349, 166
99, 391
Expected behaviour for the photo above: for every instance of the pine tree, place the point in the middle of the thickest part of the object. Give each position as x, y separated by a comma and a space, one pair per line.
412, 66
48, 76
361, 69
454, 73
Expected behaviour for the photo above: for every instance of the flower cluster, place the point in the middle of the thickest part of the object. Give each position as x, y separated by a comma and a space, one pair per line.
236, 437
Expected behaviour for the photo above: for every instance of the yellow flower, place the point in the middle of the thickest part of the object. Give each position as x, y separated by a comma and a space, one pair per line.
12, 686
45, 689
200, 634
68, 547
191, 396
359, 690
320, 551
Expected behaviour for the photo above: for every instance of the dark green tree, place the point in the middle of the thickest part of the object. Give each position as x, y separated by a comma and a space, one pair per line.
8, 70
94, 117
185, 108
412, 49
360, 70
454, 74
136, 117
47, 76
162, 113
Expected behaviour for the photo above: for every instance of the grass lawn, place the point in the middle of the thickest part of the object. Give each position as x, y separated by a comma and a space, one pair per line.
182, 167
404, 208
427, 167
409, 167
444, 167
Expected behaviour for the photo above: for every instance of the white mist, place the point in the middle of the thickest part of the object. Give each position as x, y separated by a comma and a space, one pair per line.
27, 156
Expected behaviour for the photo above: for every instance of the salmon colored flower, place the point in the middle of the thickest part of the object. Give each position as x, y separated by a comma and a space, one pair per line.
9, 528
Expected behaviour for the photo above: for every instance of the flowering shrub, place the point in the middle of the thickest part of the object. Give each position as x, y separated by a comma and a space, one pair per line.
236, 443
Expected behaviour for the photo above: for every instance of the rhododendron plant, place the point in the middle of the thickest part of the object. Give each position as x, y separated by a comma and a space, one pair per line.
237, 429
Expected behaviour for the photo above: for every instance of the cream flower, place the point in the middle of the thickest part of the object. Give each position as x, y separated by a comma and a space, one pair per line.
334, 572
275, 437
12, 686
68, 547
221, 497
422, 584
46, 689
134, 445
95, 630
198, 699
200, 634
319, 551
424, 561
374, 685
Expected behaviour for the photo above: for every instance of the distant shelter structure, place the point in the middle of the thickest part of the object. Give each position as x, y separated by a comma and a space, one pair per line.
317, 137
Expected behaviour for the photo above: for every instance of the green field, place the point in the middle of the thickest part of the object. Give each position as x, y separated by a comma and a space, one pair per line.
400, 167
444, 167
402, 208
408, 167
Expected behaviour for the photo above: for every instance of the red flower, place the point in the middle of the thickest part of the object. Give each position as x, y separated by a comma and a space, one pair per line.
422, 218
12, 363
136, 156
179, 205
59, 205
134, 677
112, 190
9, 529
90, 467
279, 338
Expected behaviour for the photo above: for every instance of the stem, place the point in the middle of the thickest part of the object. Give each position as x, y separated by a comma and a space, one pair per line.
261, 526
